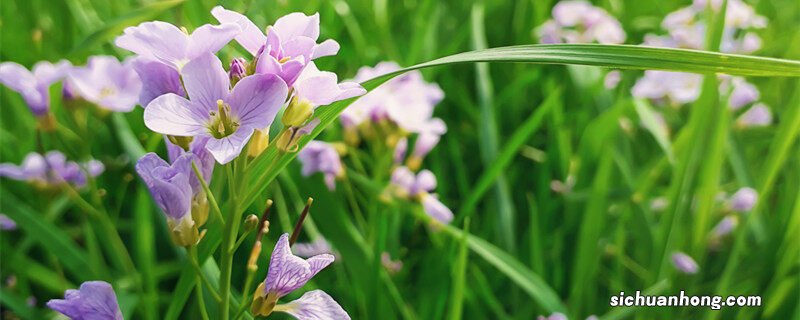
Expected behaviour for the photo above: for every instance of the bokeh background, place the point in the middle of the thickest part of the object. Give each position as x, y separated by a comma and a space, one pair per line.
598, 237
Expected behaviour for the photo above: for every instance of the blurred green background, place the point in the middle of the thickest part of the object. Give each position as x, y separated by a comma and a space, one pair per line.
553, 122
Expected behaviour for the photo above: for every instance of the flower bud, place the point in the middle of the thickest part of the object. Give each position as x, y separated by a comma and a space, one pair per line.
182, 142
286, 142
258, 143
184, 231
297, 113
250, 222
200, 209
237, 71
263, 304
47, 122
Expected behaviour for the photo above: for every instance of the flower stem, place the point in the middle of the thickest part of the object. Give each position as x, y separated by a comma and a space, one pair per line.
198, 291
228, 241
209, 195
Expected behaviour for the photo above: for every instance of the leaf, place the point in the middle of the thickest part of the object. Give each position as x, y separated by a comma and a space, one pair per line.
264, 168
50, 237
656, 127
115, 27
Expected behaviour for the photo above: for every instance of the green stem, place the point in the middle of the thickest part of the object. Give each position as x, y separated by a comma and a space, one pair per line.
209, 194
201, 303
202, 279
228, 241
247, 287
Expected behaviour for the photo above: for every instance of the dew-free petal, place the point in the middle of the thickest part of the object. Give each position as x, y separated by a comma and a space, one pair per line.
250, 37
288, 272
174, 115
95, 300
206, 80
314, 305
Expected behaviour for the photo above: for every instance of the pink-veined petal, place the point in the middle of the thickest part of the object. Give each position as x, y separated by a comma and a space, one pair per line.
315, 305
209, 38
257, 99
156, 39
298, 24
327, 48
228, 148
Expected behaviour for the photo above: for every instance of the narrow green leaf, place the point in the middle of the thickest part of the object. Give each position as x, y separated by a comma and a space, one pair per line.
50, 237
114, 27
652, 124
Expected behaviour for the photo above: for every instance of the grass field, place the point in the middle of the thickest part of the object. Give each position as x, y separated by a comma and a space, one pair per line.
565, 191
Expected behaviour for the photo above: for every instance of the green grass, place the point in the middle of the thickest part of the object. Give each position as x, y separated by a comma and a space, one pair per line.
517, 120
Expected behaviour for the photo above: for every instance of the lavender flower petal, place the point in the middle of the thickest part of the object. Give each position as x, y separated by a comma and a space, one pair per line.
684, 263
314, 305
95, 300
288, 272
157, 79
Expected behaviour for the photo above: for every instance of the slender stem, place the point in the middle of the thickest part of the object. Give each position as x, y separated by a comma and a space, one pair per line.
198, 290
247, 287
200, 275
298, 226
209, 195
228, 241
242, 238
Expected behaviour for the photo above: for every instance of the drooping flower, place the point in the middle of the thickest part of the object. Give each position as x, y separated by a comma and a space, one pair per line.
51, 169
169, 185
107, 83
205, 163
578, 21
34, 85
406, 184
428, 138
743, 200
318, 156
288, 46
6, 224
172, 46
157, 79
288, 273
684, 263
227, 117
95, 300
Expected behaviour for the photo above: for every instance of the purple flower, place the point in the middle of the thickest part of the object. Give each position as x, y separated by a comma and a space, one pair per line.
743, 200
757, 116
228, 117
406, 100
314, 305
107, 83
168, 184
202, 159
393, 266
288, 46
743, 92
95, 300
238, 70
429, 137
33, 86
418, 187
684, 263
400, 150
6, 224
172, 46
612, 79
554, 316
676, 88
318, 156
577, 21
725, 226
157, 79
51, 169
170, 188
287, 273
313, 248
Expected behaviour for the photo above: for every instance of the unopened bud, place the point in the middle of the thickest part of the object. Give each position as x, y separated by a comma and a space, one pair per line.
285, 141
184, 231
200, 209
258, 143
297, 113
182, 142
237, 71
47, 122
250, 222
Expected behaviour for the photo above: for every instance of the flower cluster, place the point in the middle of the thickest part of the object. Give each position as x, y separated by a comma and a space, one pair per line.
395, 112
578, 21
687, 29
52, 169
